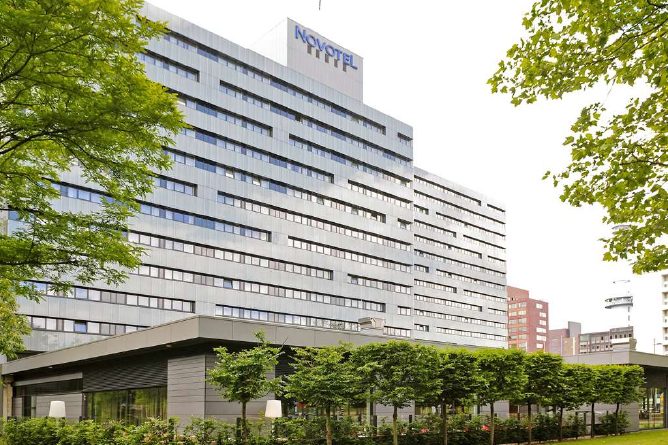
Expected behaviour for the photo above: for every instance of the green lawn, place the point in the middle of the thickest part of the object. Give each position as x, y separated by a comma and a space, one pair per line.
657, 437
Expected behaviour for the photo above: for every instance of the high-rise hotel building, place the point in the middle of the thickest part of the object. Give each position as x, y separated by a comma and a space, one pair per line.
293, 202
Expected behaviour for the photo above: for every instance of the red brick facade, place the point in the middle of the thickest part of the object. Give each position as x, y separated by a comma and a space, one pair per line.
527, 321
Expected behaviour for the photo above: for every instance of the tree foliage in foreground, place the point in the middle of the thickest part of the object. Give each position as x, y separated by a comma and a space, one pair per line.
323, 378
73, 98
243, 376
619, 161
502, 377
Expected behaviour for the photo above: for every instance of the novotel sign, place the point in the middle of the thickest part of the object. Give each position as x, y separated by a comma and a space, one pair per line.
327, 48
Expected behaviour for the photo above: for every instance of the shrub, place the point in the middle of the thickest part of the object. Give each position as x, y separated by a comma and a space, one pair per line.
610, 424
38, 431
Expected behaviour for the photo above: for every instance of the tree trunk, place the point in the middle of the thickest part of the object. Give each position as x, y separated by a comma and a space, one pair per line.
395, 433
491, 423
444, 422
368, 409
617, 419
593, 421
529, 425
561, 423
244, 429
328, 425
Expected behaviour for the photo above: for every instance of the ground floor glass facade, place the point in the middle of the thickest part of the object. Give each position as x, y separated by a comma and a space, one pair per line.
129, 405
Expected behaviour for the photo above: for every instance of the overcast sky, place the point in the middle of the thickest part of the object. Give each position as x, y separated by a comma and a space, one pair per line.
427, 63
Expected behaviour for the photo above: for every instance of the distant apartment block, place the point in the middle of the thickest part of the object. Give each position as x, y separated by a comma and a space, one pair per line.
605, 340
565, 341
527, 321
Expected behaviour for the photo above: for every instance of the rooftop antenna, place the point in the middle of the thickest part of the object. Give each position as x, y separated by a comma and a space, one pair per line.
319, 5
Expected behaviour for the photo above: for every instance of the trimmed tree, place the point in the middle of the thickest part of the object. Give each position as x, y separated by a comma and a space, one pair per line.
543, 373
623, 384
242, 376
322, 378
74, 98
402, 373
457, 375
575, 387
502, 377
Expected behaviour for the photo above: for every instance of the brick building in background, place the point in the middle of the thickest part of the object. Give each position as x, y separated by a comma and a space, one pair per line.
527, 321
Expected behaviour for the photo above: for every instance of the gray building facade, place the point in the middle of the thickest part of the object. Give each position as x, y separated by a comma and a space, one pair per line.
290, 202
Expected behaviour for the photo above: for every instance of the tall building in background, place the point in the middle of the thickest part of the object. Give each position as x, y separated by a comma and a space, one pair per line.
664, 310
565, 341
291, 202
527, 321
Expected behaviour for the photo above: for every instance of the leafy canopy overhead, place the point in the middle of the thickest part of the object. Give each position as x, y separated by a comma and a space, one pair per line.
74, 102
619, 161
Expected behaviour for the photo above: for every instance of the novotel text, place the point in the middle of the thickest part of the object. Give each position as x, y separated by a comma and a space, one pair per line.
322, 45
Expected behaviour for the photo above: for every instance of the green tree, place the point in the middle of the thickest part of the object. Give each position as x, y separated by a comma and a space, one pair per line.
243, 376
457, 376
73, 98
543, 373
622, 384
619, 161
603, 382
502, 377
322, 378
575, 387
402, 373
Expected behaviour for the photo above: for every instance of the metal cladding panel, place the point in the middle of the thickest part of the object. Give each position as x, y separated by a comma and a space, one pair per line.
132, 374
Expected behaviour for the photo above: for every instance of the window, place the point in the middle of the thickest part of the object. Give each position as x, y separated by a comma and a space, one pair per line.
421, 327
127, 405
404, 310
421, 268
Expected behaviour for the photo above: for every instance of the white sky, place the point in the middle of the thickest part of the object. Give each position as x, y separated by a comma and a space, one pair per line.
426, 63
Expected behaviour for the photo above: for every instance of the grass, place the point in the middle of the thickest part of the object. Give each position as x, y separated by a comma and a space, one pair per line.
656, 437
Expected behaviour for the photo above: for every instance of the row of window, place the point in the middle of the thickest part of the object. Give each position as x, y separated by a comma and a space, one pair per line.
171, 214
166, 273
228, 255
176, 185
80, 326
491, 310
379, 284
457, 208
420, 268
444, 246
467, 279
446, 260
355, 140
396, 332
451, 303
346, 160
236, 65
489, 246
299, 218
461, 333
225, 115
170, 65
245, 150
434, 228
446, 190
419, 209
458, 318
368, 191
204, 221
436, 286
472, 227
295, 192
346, 254
106, 296
494, 298
278, 317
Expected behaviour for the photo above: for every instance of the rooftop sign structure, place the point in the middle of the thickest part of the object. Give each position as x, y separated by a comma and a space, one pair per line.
315, 56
